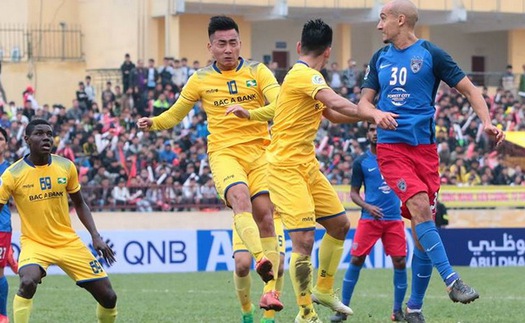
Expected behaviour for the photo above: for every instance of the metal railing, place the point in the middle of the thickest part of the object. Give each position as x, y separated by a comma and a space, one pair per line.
25, 42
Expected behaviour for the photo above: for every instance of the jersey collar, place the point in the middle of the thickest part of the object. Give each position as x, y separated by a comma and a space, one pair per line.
30, 163
303, 62
216, 68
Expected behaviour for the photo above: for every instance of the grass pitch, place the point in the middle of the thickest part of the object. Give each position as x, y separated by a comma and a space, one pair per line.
210, 297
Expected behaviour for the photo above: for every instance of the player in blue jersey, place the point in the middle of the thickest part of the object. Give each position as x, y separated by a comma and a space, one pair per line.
5, 235
380, 219
406, 74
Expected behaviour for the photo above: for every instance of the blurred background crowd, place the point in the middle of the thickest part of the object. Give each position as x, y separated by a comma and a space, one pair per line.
122, 168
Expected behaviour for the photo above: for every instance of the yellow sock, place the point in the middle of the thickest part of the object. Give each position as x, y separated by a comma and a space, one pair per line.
271, 252
301, 276
242, 288
106, 315
330, 252
249, 232
22, 309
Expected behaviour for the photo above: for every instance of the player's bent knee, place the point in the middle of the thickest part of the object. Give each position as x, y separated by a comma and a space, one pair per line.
27, 287
109, 299
399, 262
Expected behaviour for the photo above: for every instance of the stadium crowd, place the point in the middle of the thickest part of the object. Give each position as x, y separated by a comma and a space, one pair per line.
121, 167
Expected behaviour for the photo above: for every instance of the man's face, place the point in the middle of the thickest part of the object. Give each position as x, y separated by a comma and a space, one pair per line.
388, 24
3, 143
40, 141
372, 134
225, 46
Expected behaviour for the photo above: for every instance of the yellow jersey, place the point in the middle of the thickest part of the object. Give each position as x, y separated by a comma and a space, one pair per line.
41, 197
297, 117
248, 85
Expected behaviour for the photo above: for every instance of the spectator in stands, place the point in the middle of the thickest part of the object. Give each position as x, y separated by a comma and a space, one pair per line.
507, 80
167, 154
90, 91
138, 77
166, 72
120, 194
160, 105
125, 69
107, 95
209, 193
350, 75
152, 75
335, 77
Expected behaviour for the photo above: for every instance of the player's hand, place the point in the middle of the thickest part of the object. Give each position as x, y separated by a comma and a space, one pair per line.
103, 249
374, 211
239, 111
144, 123
496, 132
385, 120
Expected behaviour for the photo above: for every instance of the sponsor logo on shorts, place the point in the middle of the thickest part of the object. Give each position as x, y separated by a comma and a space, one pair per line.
402, 185
308, 219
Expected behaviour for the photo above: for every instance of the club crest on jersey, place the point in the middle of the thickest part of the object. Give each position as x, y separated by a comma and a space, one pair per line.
251, 83
402, 185
416, 63
318, 80
61, 180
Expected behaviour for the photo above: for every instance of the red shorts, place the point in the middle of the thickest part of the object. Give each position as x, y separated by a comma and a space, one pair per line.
409, 170
5, 244
391, 233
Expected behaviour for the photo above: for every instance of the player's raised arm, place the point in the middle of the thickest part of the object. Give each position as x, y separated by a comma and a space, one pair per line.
474, 96
85, 216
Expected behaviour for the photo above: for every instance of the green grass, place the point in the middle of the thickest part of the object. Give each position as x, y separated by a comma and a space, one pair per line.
209, 297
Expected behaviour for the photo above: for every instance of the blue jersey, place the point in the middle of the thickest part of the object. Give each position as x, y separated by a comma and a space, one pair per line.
377, 192
5, 213
407, 81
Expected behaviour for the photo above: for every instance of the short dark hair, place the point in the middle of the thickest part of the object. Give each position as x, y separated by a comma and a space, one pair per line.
4, 133
35, 122
221, 23
316, 37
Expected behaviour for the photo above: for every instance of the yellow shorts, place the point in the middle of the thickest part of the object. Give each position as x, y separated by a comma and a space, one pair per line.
74, 259
238, 245
302, 195
239, 164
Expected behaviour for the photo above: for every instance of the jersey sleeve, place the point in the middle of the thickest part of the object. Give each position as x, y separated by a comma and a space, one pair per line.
178, 111
371, 79
314, 83
73, 185
6, 187
265, 113
357, 174
444, 67
267, 82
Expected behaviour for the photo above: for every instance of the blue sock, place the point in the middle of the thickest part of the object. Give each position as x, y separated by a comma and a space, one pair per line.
4, 288
400, 287
431, 241
349, 282
421, 273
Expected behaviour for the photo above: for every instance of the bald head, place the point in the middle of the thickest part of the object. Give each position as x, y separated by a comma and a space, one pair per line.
405, 8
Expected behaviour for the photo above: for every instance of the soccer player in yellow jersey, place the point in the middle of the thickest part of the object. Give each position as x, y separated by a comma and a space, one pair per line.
40, 183
300, 192
236, 149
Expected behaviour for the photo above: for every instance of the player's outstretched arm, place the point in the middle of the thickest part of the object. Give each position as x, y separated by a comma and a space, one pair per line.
85, 216
345, 111
145, 123
367, 111
474, 96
